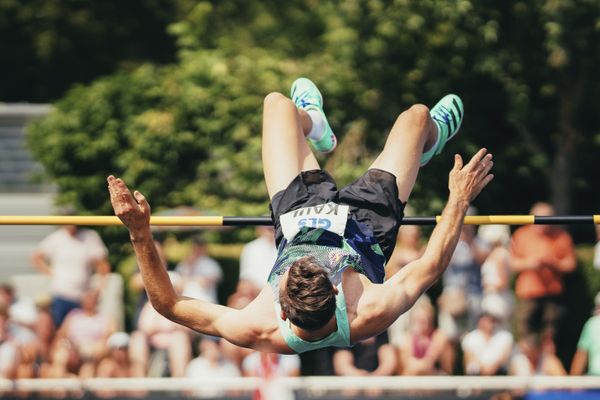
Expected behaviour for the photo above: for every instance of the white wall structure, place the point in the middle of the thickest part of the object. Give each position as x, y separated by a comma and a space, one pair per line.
19, 193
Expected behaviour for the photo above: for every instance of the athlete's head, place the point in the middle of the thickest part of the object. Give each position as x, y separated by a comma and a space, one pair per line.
308, 296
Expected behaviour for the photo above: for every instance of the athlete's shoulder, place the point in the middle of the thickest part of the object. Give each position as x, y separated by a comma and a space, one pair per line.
263, 324
363, 304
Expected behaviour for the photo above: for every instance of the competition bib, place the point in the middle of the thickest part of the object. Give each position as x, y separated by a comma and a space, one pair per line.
330, 216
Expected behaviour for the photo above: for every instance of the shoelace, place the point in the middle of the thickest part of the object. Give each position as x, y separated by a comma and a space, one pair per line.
303, 100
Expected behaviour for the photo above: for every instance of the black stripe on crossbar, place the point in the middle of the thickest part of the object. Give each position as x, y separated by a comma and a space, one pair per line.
418, 221
564, 219
237, 221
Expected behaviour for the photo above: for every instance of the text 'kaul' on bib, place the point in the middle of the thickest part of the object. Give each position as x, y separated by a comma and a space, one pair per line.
329, 216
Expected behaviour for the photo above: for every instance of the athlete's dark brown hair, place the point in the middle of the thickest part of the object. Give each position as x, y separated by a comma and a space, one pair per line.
308, 299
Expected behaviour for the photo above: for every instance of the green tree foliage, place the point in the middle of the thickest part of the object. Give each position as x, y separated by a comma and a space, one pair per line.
544, 55
189, 133
47, 45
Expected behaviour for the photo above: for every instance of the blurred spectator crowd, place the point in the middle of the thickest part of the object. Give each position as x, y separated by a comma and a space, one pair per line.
499, 310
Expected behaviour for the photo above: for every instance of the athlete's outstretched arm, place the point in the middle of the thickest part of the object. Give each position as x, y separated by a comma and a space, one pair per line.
400, 292
208, 318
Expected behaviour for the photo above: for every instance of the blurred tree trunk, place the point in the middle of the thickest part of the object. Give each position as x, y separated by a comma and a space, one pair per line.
566, 146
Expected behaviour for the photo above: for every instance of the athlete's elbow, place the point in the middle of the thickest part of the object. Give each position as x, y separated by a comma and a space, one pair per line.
431, 270
164, 307
434, 265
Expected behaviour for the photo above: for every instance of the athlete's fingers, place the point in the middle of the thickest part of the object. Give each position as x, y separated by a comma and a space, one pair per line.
481, 184
458, 162
123, 191
109, 182
484, 182
120, 196
484, 166
476, 159
141, 199
113, 191
487, 180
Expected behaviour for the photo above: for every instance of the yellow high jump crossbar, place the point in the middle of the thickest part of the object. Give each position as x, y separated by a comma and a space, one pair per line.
249, 221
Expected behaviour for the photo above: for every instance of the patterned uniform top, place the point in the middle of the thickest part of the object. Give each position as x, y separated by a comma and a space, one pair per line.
335, 253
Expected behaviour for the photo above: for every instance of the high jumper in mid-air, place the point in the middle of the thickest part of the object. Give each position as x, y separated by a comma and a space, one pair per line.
327, 286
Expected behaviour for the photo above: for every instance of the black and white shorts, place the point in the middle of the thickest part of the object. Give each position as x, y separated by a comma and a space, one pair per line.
372, 198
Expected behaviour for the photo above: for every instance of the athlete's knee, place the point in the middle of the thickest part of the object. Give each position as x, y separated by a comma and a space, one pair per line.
417, 114
276, 99
419, 110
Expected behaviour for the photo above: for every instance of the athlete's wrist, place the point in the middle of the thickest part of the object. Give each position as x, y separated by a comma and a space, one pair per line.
460, 201
140, 235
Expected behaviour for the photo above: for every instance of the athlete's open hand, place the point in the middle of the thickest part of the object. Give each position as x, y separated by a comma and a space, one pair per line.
133, 211
466, 181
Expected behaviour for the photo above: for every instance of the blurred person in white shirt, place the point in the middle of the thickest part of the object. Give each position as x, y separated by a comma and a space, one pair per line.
496, 269
155, 332
201, 274
256, 261
23, 316
211, 363
70, 256
87, 330
488, 348
271, 365
117, 363
535, 356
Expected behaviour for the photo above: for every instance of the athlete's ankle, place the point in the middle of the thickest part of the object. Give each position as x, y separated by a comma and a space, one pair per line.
308, 98
319, 125
305, 122
433, 136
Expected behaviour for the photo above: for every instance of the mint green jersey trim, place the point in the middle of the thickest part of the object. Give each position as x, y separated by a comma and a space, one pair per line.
377, 249
339, 338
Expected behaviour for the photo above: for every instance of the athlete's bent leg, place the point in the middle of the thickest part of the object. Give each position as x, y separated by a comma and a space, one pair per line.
285, 152
417, 136
413, 133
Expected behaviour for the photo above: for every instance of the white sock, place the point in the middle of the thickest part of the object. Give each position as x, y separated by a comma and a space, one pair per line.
318, 124
436, 143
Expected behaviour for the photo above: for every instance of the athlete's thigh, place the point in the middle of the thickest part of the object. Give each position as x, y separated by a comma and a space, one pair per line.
285, 152
403, 148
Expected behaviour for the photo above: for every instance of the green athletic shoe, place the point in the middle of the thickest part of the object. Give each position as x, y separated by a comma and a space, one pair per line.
447, 114
306, 96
